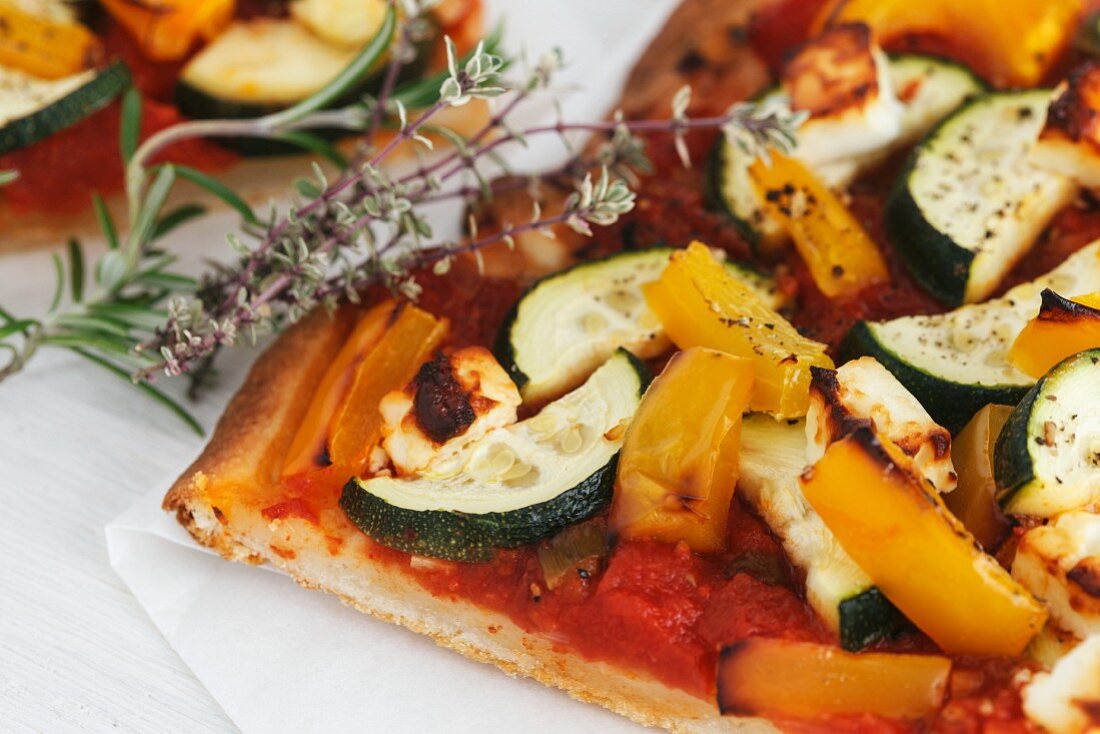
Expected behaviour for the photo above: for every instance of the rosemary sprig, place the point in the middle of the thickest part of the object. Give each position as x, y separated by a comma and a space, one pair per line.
365, 226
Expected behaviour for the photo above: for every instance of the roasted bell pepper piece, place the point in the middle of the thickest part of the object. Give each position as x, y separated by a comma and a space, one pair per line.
166, 30
1063, 328
678, 465
896, 527
973, 500
45, 48
700, 304
356, 429
1015, 42
309, 450
770, 677
841, 256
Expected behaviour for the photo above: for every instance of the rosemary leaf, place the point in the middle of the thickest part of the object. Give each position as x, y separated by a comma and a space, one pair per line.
8, 176
59, 286
76, 271
220, 190
106, 224
157, 395
79, 324
16, 327
315, 144
346, 80
175, 218
136, 316
154, 201
130, 124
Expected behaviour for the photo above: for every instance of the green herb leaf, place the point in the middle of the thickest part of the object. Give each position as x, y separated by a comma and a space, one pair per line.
220, 190
155, 197
346, 80
76, 271
110, 270
7, 177
314, 144
59, 286
178, 410
130, 124
175, 218
425, 92
106, 224
87, 325
136, 316
16, 327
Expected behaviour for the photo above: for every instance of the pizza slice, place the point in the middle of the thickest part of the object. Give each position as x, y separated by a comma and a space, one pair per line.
810, 477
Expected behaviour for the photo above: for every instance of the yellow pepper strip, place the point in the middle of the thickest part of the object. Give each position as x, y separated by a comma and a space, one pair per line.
762, 676
45, 48
309, 447
700, 304
357, 425
166, 30
1063, 328
1016, 41
841, 256
897, 529
678, 466
973, 499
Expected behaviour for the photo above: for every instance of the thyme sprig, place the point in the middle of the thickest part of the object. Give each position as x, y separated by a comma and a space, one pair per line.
366, 225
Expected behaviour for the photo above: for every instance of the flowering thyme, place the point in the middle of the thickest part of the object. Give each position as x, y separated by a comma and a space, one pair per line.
365, 226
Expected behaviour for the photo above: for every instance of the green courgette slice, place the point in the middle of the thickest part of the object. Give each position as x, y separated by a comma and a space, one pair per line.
33, 109
1047, 458
514, 486
970, 203
569, 323
955, 363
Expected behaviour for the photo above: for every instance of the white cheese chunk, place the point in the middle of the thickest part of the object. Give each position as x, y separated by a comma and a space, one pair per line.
1060, 563
481, 388
1067, 699
864, 390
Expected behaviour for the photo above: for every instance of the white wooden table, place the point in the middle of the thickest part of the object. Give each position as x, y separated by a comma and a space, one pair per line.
77, 653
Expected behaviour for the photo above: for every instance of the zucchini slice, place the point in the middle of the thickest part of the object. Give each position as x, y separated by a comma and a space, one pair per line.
956, 362
1047, 458
32, 109
929, 89
514, 486
970, 203
773, 456
257, 67
569, 323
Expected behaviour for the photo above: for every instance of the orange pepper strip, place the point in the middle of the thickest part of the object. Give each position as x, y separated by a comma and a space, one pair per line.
390, 365
166, 31
1062, 328
678, 466
842, 257
1017, 41
45, 48
309, 445
896, 527
701, 304
761, 676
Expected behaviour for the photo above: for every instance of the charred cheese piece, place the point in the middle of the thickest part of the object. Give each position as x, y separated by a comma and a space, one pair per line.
454, 399
864, 392
842, 79
1069, 143
1067, 699
1060, 563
